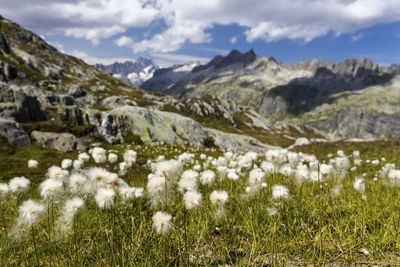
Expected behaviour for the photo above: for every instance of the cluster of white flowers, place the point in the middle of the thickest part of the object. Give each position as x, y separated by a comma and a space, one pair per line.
73, 187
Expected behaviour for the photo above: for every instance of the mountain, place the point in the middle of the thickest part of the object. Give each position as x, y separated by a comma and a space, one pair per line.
58, 101
168, 76
134, 73
348, 99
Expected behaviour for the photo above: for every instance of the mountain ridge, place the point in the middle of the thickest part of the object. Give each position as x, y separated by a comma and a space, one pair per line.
131, 72
309, 93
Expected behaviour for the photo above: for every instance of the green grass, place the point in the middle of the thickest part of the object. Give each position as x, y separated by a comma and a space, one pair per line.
311, 227
59, 126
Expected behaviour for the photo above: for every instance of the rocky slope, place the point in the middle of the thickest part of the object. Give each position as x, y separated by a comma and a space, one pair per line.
349, 99
59, 101
134, 73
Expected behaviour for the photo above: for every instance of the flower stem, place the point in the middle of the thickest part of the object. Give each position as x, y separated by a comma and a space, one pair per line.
34, 245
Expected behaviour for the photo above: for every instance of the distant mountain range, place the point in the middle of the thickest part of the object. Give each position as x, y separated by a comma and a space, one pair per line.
131, 72
348, 99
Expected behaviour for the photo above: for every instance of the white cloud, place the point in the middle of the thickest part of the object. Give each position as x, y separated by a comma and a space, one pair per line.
91, 60
167, 59
161, 59
234, 39
123, 41
215, 50
94, 35
174, 37
357, 37
189, 20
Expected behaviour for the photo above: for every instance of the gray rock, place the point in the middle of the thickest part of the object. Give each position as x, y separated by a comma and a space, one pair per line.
8, 72
171, 128
76, 90
64, 142
117, 101
4, 47
13, 132
28, 108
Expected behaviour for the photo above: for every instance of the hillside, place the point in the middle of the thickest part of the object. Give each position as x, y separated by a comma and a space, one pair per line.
59, 101
349, 99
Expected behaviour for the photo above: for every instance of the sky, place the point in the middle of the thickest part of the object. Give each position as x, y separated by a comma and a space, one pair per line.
180, 31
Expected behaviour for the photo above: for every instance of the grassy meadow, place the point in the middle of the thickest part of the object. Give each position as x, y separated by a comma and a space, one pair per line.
282, 208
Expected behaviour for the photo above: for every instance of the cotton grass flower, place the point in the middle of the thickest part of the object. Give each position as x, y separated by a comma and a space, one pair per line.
268, 167
66, 163
192, 199
19, 185
207, 177
72, 206
84, 157
187, 184
130, 157
76, 182
77, 164
4, 190
219, 197
139, 192
112, 158
280, 192
30, 212
359, 185
162, 222
65, 221
57, 173
394, 177
256, 177
32, 164
156, 184
51, 189
126, 192
99, 155
105, 198
98, 175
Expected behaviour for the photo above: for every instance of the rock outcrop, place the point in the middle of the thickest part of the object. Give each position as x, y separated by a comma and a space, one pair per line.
13, 132
64, 142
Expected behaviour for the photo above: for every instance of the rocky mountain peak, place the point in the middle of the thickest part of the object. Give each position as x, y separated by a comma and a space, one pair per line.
234, 57
131, 72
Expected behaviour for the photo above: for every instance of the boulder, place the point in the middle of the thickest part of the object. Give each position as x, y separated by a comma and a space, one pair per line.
117, 101
17, 105
64, 142
76, 90
13, 132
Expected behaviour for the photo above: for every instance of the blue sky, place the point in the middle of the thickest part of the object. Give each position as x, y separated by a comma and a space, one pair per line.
178, 31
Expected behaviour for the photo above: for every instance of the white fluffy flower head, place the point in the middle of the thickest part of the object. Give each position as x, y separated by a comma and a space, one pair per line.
162, 222
207, 177
359, 185
112, 158
192, 199
280, 192
72, 206
57, 173
66, 163
30, 212
19, 184
219, 197
4, 190
51, 188
105, 198
33, 163
99, 155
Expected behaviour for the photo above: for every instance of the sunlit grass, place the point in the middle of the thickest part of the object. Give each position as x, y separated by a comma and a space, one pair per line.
312, 226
